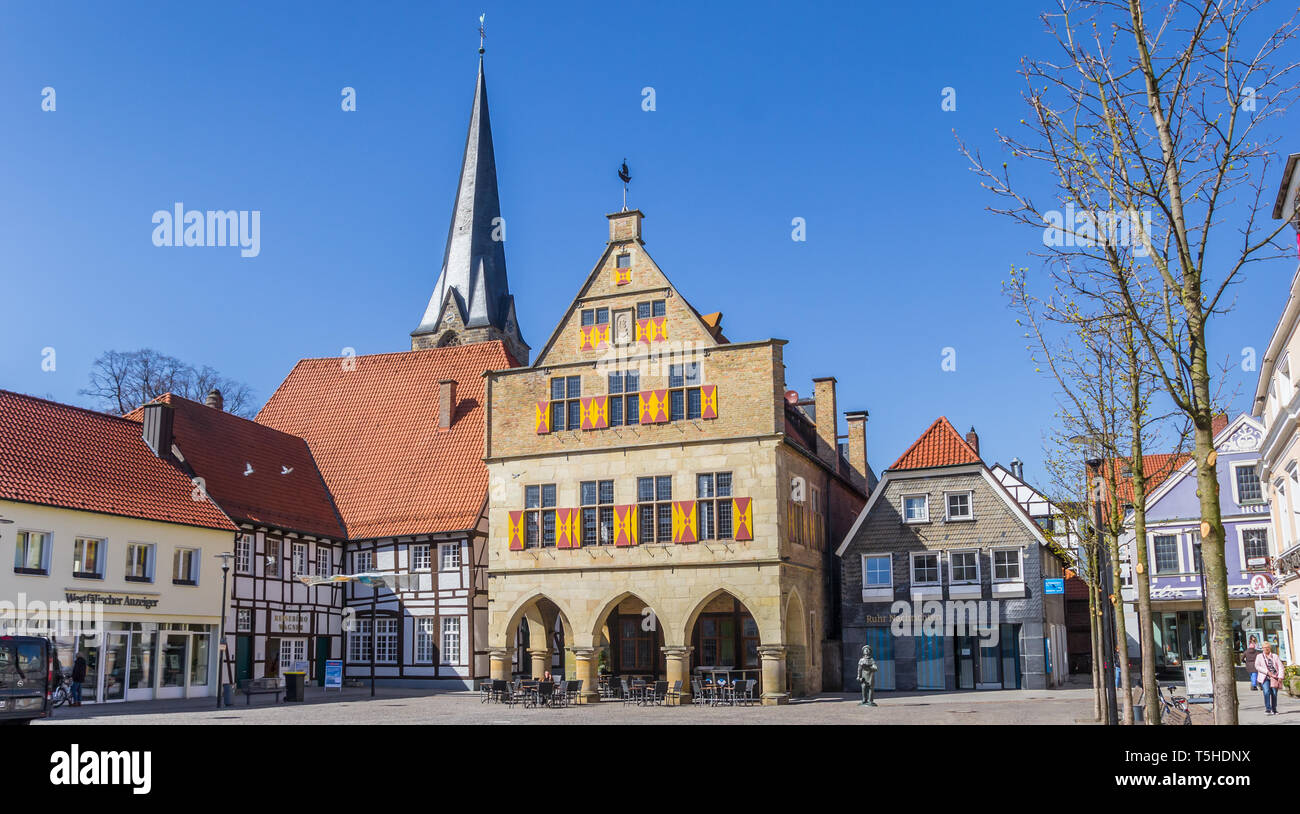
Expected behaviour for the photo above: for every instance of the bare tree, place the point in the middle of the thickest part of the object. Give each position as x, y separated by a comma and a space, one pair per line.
1153, 131
123, 380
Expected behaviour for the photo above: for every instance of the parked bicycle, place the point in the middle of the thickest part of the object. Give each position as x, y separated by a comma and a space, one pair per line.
1174, 709
62, 692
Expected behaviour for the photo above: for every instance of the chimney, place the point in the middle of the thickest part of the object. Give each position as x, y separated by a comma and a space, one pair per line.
214, 400
625, 226
826, 416
1018, 468
157, 428
446, 402
857, 421
974, 440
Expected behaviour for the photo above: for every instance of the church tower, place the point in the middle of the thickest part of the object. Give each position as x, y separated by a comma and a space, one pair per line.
471, 301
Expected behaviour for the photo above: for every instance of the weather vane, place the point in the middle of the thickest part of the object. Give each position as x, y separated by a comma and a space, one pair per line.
625, 176
481, 34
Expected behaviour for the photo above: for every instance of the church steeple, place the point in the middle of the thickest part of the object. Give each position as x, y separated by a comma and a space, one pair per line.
471, 301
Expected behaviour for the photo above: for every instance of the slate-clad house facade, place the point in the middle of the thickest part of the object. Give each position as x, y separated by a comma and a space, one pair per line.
941, 539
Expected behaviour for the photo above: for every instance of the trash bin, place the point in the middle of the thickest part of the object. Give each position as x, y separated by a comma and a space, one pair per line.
227, 695
295, 686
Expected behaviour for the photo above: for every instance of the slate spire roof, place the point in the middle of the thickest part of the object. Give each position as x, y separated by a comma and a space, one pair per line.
940, 445
473, 271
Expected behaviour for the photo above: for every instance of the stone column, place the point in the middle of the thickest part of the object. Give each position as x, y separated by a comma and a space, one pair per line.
772, 657
678, 663
501, 658
541, 661
586, 663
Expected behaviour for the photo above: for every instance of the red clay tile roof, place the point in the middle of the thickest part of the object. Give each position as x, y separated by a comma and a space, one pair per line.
940, 445
59, 455
1156, 468
373, 431
219, 446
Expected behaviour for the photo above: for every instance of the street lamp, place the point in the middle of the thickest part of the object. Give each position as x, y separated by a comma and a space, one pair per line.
221, 648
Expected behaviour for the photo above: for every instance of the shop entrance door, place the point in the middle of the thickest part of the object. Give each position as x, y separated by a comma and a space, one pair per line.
965, 650
114, 678
322, 654
243, 658
173, 664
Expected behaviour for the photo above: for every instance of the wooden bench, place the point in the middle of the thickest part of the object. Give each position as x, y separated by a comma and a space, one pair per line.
260, 686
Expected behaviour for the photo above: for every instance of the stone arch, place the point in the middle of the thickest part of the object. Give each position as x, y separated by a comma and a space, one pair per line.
769, 630
598, 621
527, 610
448, 339
798, 656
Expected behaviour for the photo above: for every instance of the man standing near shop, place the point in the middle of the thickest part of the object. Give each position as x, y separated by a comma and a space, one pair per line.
78, 676
1269, 667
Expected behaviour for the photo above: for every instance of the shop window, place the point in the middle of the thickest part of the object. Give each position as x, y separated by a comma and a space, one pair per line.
597, 512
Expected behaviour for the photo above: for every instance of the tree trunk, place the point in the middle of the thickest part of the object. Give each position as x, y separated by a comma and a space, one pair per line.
1121, 638
1142, 579
1094, 615
1216, 573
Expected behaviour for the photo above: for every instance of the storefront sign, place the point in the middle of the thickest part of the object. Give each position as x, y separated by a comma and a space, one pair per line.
115, 599
1261, 584
334, 673
1196, 677
1053, 586
1268, 607
289, 622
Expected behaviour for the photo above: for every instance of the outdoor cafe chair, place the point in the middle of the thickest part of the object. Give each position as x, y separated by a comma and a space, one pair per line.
501, 692
676, 692
660, 693
745, 693
572, 692
699, 697
630, 693
485, 691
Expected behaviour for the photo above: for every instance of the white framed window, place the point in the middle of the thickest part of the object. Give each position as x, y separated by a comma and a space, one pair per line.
449, 556
877, 571
1253, 547
32, 553
1246, 488
291, 652
386, 640
244, 554
298, 558
421, 557
916, 508
243, 620
963, 567
359, 640
363, 561
451, 640
1006, 565
959, 505
185, 566
925, 568
424, 633
272, 558
88, 555
324, 561
1166, 554
139, 562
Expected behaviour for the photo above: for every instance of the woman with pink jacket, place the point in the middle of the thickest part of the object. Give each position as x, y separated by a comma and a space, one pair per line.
1269, 667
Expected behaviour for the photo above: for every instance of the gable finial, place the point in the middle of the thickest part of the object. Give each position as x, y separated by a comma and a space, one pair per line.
482, 35
625, 176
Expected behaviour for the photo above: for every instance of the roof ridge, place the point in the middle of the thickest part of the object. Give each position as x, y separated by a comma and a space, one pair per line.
447, 350
66, 406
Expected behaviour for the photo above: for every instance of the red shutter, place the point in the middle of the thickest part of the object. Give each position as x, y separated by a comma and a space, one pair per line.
684, 518
516, 531
542, 417
625, 525
709, 401
742, 518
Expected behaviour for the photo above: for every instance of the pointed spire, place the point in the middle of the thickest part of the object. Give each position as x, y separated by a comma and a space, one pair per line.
474, 262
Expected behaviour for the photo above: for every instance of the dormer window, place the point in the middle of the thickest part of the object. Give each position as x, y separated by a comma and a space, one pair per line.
959, 506
916, 508
624, 261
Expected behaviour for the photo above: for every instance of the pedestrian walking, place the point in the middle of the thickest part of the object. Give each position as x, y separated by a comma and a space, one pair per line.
1252, 653
1269, 667
78, 676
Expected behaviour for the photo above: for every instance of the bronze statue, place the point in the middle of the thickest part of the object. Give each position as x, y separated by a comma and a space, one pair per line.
867, 677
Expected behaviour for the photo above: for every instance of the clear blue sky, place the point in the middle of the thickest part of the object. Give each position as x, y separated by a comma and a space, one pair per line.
765, 112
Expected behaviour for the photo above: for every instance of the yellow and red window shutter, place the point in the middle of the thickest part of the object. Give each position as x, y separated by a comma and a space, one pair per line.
542, 418
567, 531
654, 406
709, 401
591, 337
742, 518
516, 533
625, 525
595, 412
684, 521
651, 330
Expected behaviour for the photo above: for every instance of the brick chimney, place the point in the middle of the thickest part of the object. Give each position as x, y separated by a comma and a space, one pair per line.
446, 402
215, 400
827, 417
973, 439
625, 225
857, 421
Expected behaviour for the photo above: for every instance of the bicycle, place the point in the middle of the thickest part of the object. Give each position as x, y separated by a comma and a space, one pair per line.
1174, 710
62, 694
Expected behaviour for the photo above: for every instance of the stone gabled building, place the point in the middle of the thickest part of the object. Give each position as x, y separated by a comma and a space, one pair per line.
657, 504
941, 535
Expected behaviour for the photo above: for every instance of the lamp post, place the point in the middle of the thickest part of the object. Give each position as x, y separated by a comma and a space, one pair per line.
221, 646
